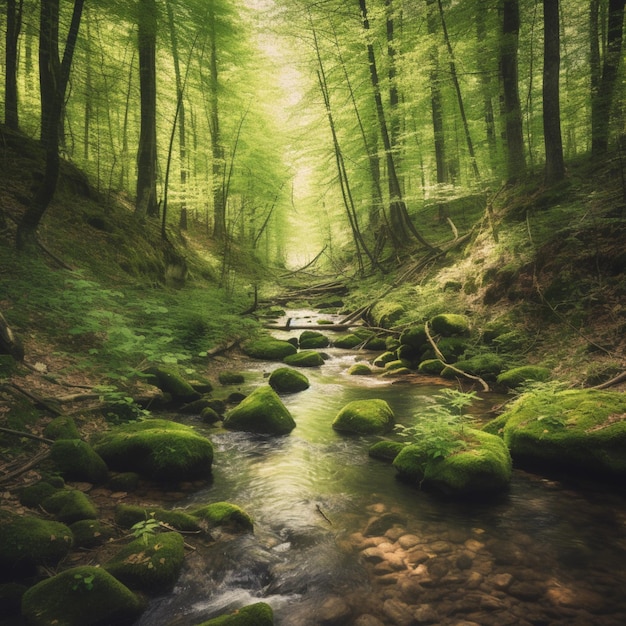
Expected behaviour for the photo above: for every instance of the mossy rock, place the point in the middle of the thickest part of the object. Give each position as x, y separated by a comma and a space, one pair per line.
261, 412
452, 348
127, 515
386, 357
81, 596
304, 358
414, 337
124, 481
311, 339
287, 380
209, 416
200, 384
511, 342
483, 467
391, 343
61, 428
396, 365
224, 514
269, 349
364, 417
70, 505
487, 366
450, 324
431, 367
196, 407
385, 450
27, 541
408, 353
231, 378
517, 376
90, 533
33, 495
386, 313
78, 461
171, 382
258, 614
151, 563
375, 344
157, 449
580, 429
397, 372
348, 342
360, 369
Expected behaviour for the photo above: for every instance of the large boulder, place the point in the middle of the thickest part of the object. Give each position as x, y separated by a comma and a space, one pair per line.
385, 313
582, 429
261, 412
304, 358
151, 563
258, 614
269, 349
347, 342
487, 366
483, 466
287, 380
27, 541
81, 596
69, 506
364, 417
157, 449
78, 461
62, 427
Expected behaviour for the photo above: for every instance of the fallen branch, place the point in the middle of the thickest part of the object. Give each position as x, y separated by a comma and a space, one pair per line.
620, 378
24, 468
20, 433
319, 509
39, 402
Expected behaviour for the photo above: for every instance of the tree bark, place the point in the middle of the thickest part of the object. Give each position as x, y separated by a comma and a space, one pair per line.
555, 166
14, 25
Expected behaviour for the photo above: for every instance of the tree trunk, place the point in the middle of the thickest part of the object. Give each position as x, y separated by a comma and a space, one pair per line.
602, 98
14, 24
516, 160
146, 203
54, 76
555, 167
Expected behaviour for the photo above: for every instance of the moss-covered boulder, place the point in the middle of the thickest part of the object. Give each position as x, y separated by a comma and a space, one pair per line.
261, 412
90, 533
33, 495
517, 376
396, 365
287, 380
414, 337
156, 449
581, 429
385, 450
450, 324
385, 313
347, 342
124, 481
360, 369
364, 417
487, 366
259, 614
431, 367
269, 349
209, 416
196, 407
224, 514
27, 541
304, 358
70, 505
78, 461
312, 339
483, 466
451, 347
171, 382
231, 378
376, 344
61, 427
151, 563
386, 357
127, 515
81, 596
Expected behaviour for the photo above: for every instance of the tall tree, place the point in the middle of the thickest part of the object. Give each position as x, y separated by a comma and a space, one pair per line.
555, 166
54, 76
14, 24
512, 110
146, 202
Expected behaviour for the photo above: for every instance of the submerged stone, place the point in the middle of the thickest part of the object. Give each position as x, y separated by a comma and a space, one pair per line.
231, 378
386, 450
347, 342
364, 417
287, 380
360, 369
224, 514
261, 412
259, 614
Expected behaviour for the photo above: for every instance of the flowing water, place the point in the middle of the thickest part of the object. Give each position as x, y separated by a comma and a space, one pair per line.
338, 540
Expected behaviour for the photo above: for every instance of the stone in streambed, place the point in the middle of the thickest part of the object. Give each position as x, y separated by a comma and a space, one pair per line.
261, 412
364, 417
258, 614
304, 358
311, 339
287, 380
269, 349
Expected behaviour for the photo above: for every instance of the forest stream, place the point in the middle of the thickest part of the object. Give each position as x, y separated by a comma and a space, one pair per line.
338, 540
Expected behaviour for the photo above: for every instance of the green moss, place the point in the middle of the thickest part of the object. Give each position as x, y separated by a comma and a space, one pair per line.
364, 417
431, 367
125, 481
259, 614
347, 342
511, 342
384, 358
33, 495
450, 324
311, 339
156, 449
8, 366
360, 369
391, 343
26, 541
269, 349
90, 533
287, 380
61, 428
70, 505
81, 596
224, 514
151, 563
398, 364
452, 347
196, 407
209, 415
170, 381
305, 358
386, 450
482, 467
396, 372
582, 429
231, 378
127, 515
487, 366
518, 375
375, 344
261, 412
386, 313
78, 461
414, 337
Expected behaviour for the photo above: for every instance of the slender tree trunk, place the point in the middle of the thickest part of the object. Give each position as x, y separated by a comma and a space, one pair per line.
88, 94
55, 74
555, 167
146, 203
602, 98
394, 94
516, 160
14, 25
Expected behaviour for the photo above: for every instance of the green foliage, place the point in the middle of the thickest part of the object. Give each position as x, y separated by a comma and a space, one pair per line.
83, 581
145, 528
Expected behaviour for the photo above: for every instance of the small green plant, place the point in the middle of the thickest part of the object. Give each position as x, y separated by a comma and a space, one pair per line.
145, 528
83, 582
